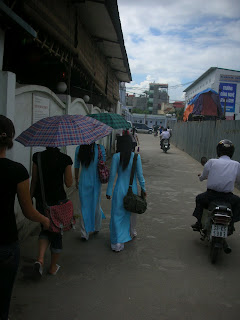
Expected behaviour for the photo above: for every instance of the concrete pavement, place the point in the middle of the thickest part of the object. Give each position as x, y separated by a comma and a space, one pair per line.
164, 274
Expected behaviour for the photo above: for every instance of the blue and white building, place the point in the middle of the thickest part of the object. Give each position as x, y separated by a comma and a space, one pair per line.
224, 81
149, 119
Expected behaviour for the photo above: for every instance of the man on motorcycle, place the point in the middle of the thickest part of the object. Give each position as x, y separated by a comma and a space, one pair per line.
221, 173
164, 135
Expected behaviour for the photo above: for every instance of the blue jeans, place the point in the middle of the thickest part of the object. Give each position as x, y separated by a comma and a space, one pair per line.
9, 262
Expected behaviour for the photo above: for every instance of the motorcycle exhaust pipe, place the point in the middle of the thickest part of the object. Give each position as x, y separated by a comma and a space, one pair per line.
226, 247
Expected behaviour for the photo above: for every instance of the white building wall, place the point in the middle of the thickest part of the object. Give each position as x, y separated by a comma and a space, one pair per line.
77, 106
119, 108
207, 82
152, 120
23, 117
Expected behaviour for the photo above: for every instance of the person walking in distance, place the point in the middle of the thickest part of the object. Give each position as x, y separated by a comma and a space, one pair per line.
135, 140
169, 130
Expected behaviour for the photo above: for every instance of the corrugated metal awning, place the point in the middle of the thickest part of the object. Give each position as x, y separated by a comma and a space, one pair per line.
8, 17
101, 19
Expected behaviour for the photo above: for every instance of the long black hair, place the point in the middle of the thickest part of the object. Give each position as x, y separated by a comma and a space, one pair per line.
54, 158
125, 149
7, 132
86, 154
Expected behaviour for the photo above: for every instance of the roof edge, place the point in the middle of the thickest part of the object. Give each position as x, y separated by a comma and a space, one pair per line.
112, 8
200, 78
206, 73
16, 20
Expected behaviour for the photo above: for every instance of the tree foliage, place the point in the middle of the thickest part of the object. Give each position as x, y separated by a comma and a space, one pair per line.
179, 113
140, 111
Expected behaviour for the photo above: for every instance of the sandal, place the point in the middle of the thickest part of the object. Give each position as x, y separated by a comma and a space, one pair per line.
54, 273
38, 268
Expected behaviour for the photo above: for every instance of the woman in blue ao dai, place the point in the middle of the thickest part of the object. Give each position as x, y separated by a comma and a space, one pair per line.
89, 187
123, 223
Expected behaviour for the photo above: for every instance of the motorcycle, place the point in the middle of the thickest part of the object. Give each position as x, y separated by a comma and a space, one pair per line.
216, 227
165, 146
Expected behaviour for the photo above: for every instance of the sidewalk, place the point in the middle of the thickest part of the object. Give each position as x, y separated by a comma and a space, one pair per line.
164, 274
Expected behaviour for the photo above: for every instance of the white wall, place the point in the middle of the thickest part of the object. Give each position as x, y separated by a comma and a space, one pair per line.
24, 106
208, 82
77, 106
24, 115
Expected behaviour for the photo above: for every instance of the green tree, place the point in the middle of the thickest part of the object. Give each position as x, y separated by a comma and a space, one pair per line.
179, 114
140, 111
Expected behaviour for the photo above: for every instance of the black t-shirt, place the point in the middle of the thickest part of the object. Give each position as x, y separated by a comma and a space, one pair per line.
53, 164
11, 173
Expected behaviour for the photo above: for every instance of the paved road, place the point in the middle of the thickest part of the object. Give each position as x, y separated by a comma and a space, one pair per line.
164, 274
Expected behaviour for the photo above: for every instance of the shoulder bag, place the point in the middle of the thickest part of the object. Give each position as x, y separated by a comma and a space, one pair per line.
60, 215
103, 170
133, 202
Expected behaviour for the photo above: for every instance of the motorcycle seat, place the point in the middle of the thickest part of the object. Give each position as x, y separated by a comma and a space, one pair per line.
220, 206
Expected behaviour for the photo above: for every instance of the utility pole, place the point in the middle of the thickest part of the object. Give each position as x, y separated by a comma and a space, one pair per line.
224, 110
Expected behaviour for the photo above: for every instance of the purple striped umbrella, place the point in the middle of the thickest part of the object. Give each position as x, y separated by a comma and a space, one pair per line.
59, 131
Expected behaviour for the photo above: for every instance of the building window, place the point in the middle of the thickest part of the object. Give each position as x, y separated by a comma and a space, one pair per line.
140, 121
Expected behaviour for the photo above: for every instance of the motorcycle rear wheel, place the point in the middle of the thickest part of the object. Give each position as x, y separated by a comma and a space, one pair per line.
214, 254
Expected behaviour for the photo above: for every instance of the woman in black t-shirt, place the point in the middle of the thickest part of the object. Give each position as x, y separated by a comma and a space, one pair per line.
56, 169
14, 180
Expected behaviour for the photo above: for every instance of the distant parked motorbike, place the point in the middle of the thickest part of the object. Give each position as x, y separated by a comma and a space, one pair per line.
165, 145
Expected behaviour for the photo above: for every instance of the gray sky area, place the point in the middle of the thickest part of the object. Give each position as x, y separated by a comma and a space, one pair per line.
174, 42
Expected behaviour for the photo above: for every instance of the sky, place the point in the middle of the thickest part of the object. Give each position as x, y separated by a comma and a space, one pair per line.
176, 41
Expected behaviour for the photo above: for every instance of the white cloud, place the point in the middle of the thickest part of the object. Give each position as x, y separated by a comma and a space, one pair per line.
194, 35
